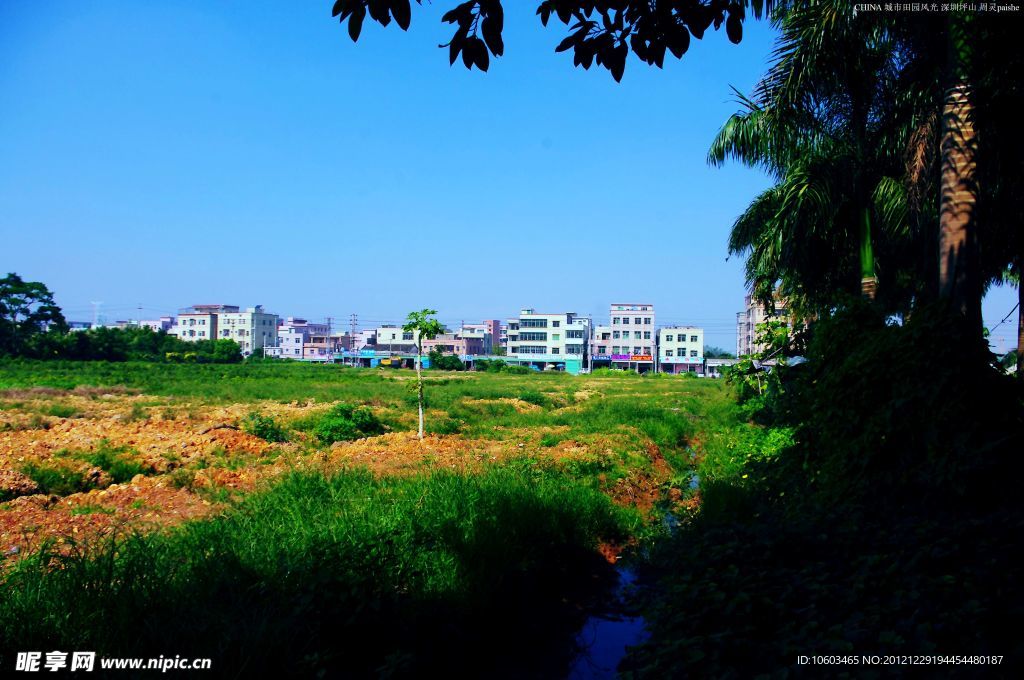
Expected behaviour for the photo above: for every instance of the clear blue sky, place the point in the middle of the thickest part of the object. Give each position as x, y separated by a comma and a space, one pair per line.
164, 154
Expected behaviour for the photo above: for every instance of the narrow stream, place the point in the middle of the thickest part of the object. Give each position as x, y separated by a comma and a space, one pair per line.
604, 638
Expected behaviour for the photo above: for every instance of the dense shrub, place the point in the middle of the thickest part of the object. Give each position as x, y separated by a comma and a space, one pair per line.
264, 427
345, 422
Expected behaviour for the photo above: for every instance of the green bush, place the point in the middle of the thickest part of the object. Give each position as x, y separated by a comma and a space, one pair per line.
116, 461
519, 370
346, 422
57, 479
264, 427
534, 397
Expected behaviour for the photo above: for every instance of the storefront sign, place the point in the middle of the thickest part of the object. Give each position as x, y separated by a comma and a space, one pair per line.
620, 357
602, 357
641, 357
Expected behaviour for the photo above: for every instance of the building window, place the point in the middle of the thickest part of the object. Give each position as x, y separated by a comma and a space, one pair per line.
647, 350
625, 320
637, 321
647, 321
636, 335
669, 338
407, 336
615, 321
556, 324
554, 350
647, 335
602, 349
615, 335
636, 350
534, 337
668, 352
556, 336
693, 338
693, 352
534, 323
615, 349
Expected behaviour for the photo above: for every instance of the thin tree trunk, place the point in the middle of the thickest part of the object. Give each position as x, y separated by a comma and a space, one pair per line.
1020, 326
868, 280
419, 384
959, 275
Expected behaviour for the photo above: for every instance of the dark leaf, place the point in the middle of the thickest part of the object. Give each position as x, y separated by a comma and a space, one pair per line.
402, 12
338, 6
355, 22
679, 42
480, 56
491, 29
566, 43
734, 28
617, 61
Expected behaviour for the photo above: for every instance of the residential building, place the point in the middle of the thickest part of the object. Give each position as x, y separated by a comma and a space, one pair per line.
630, 344
199, 322
755, 313
164, 323
548, 341
681, 349
472, 344
253, 329
391, 338
601, 347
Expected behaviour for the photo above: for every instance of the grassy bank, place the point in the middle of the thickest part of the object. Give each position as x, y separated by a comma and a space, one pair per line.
346, 574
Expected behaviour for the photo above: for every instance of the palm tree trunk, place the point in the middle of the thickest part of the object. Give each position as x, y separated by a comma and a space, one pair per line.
419, 384
868, 280
959, 275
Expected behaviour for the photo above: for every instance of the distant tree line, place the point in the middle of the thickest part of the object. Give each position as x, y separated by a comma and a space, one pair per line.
33, 326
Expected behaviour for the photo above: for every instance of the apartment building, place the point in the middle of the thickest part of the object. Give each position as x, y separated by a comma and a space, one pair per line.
629, 340
391, 338
681, 349
755, 313
293, 334
548, 341
253, 329
199, 322
164, 323
457, 344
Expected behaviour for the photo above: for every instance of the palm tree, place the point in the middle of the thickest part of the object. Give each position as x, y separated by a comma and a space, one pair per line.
820, 122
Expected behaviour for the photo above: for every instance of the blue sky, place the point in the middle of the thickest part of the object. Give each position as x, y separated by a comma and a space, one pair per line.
164, 154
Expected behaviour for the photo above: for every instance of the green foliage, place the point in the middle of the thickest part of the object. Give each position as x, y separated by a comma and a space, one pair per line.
712, 352
345, 422
117, 461
355, 570
264, 427
519, 370
444, 362
490, 365
57, 478
534, 397
132, 344
27, 313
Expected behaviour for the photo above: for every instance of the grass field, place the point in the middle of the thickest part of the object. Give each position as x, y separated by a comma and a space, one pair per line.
213, 495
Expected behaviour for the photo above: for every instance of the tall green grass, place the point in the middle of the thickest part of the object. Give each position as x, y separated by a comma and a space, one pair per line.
343, 575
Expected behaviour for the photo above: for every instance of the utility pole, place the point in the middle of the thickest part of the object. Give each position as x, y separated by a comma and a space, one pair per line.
330, 347
95, 313
354, 320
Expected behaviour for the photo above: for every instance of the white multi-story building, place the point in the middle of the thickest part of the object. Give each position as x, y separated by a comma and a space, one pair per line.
253, 329
199, 322
548, 341
681, 349
293, 334
628, 339
391, 338
755, 313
